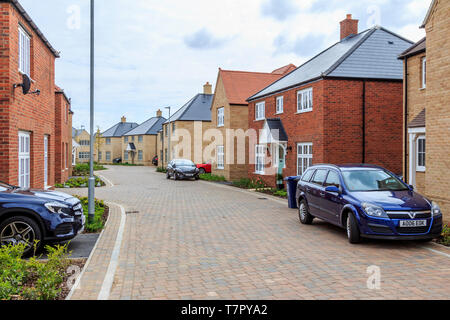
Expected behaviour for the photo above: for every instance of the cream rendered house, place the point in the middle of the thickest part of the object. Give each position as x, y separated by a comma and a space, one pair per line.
82, 145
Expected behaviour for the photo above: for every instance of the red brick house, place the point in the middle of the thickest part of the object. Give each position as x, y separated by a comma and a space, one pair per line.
33, 128
342, 106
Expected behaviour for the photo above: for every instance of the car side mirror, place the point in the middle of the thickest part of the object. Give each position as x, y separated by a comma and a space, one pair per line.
332, 189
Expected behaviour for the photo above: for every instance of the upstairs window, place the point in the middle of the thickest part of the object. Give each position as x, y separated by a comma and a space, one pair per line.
424, 73
260, 111
125, 139
280, 102
108, 141
305, 100
24, 52
220, 117
141, 139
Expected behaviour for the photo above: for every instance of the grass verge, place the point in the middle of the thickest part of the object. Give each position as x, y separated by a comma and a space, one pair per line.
211, 177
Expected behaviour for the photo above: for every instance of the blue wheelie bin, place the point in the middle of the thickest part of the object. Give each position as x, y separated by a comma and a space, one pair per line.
291, 183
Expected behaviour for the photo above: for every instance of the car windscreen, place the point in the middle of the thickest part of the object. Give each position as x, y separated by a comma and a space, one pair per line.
184, 163
372, 180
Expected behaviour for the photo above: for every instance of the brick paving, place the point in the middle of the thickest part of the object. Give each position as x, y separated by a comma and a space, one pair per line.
197, 240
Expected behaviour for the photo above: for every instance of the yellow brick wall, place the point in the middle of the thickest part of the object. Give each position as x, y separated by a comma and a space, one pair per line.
147, 146
437, 178
193, 150
83, 136
115, 148
236, 117
416, 103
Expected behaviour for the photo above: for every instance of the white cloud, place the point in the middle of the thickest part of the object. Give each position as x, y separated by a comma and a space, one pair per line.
144, 54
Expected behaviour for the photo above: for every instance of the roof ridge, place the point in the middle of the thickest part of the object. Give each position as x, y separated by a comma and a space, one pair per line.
254, 72
352, 50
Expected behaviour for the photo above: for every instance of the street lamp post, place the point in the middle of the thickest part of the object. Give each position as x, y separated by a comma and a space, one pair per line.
91, 194
169, 151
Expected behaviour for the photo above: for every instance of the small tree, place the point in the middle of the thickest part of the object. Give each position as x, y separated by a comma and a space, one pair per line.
99, 141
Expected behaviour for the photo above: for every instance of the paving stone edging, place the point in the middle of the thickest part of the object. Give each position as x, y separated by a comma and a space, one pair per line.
91, 279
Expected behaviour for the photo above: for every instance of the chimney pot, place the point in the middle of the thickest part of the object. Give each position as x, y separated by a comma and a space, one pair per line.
207, 88
349, 26
159, 113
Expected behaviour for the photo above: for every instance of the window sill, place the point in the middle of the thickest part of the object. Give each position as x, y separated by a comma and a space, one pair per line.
259, 173
220, 168
420, 169
301, 112
256, 120
221, 126
281, 112
422, 89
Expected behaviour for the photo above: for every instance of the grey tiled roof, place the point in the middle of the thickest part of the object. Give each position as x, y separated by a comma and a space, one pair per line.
149, 127
277, 124
371, 54
77, 132
197, 109
119, 129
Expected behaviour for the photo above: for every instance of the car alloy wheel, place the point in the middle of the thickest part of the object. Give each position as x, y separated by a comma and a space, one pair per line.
304, 215
353, 233
18, 232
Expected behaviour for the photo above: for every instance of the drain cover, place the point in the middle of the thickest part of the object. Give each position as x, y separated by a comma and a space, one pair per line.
262, 198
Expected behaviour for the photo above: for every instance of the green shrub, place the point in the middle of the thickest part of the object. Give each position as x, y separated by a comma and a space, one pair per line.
280, 193
161, 170
82, 169
32, 279
246, 183
99, 220
80, 182
445, 237
211, 177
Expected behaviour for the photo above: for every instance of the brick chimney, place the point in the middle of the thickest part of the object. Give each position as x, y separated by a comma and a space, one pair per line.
349, 26
207, 88
159, 113
123, 119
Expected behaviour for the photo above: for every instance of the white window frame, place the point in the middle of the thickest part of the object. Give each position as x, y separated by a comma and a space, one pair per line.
24, 52
46, 140
125, 139
260, 111
221, 117
280, 105
260, 158
304, 160
305, 100
220, 157
108, 141
126, 157
140, 155
108, 156
424, 72
24, 159
99, 156
141, 139
420, 167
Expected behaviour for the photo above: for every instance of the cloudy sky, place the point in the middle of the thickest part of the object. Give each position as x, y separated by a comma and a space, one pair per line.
153, 53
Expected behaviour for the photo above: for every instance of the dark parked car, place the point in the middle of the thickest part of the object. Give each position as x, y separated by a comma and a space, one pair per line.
117, 160
369, 201
155, 161
182, 169
30, 215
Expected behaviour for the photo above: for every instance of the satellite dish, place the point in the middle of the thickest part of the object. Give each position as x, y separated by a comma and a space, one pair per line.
26, 84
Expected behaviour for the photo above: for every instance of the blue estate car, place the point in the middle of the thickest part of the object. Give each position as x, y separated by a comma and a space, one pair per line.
30, 215
368, 201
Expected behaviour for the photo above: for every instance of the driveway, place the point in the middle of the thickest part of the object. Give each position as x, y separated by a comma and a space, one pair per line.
197, 240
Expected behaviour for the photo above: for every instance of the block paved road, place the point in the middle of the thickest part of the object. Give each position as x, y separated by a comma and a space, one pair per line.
197, 240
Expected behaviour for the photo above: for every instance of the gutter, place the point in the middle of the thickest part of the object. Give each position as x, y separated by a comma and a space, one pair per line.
405, 173
364, 122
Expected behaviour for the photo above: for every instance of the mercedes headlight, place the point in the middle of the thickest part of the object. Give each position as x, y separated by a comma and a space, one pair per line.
56, 207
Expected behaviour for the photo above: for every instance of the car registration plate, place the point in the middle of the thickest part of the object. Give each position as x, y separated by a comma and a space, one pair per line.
413, 223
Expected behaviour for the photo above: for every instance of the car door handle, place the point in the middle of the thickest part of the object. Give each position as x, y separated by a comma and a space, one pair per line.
322, 194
